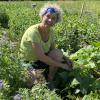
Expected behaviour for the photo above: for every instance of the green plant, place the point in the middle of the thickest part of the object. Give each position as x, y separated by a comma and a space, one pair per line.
4, 18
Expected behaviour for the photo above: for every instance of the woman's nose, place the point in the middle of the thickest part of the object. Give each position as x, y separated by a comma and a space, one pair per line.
49, 20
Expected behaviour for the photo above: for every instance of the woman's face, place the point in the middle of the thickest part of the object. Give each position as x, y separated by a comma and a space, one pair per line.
49, 19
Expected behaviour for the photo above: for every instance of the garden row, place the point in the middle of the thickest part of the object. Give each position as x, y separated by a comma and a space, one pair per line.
78, 37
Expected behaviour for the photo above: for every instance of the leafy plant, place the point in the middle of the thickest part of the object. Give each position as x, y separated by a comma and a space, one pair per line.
4, 18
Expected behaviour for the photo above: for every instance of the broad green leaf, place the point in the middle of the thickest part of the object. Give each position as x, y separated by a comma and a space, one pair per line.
97, 43
75, 82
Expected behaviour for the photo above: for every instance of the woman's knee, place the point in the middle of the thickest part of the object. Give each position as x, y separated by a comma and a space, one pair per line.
56, 54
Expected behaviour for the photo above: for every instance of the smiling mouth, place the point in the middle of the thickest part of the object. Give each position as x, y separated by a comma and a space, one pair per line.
49, 23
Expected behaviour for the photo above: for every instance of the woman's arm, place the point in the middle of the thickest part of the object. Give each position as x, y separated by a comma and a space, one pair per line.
65, 59
46, 59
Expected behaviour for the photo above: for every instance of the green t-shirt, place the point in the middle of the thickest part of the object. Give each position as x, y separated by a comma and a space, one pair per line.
32, 35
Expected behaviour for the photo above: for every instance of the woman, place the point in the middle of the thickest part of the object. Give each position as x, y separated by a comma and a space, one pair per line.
38, 45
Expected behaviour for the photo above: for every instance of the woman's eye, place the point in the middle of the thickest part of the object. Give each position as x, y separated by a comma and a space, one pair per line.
48, 16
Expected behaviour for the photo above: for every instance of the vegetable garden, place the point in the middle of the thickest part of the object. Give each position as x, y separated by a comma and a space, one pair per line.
78, 36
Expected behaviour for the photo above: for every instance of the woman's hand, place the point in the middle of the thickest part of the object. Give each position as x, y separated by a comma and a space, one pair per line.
68, 62
66, 67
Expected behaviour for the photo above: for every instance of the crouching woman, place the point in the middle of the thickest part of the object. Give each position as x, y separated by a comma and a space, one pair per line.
38, 45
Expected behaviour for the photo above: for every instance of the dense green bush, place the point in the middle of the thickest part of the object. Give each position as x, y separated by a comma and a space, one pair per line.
74, 32
21, 20
4, 18
10, 69
38, 92
84, 78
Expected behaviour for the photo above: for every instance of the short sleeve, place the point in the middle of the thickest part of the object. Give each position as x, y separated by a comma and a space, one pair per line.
33, 36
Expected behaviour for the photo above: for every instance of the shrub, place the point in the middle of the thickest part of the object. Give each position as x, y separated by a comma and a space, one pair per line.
21, 20
4, 18
74, 33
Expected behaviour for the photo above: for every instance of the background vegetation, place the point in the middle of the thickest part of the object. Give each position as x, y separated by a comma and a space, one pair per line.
78, 36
